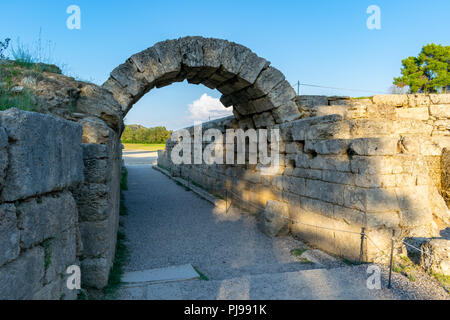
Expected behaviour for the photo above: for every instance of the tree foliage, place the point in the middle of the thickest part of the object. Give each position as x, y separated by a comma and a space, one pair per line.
428, 72
139, 134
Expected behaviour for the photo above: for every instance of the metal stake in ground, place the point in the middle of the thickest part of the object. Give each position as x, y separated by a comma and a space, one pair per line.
392, 258
361, 250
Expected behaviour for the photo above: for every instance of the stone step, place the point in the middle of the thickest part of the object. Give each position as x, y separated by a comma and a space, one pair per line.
340, 283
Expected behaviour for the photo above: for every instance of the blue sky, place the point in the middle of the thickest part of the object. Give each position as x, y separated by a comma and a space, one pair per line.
317, 42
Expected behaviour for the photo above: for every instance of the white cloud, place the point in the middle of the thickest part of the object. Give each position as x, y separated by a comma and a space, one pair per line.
207, 108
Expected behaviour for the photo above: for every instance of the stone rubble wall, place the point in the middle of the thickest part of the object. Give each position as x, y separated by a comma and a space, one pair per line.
40, 164
348, 164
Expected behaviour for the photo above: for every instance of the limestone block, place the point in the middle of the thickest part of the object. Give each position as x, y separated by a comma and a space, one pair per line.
267, 80
307, 173
328, 130
252, 67
294, 147
94, 151
274, 220
96, 170
391, 100
286, 112
170, 58
96, 238
374, 146
417, 100
419, 146
123, 98
261, 104
233, 57
438, 206
294, 185
436, 256
420, 113
94, 272
308, 102
51, 291
440, 98
367, 180
333, 146
415, 211
21, 279
263, 120
335, 162
191, 49
127, 75
373, 165
46, 155
9, 234
147, 62
281, 94
61, 253
298, 129
371, 199
338, 177
93, 201
95, 131
375, 220
326, 191
440, 111
316, 207
44, 219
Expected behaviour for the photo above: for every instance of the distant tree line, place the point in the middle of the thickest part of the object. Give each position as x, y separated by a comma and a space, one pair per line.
138, 134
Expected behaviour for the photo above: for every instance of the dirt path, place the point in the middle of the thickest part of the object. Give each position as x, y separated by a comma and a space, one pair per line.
168, 225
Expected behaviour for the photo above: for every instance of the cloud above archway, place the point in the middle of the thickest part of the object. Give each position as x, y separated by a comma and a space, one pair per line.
207, 107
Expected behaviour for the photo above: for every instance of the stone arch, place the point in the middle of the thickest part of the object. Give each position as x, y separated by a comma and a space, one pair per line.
246, 81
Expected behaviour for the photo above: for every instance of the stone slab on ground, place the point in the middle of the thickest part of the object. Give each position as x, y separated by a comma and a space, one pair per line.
169, 274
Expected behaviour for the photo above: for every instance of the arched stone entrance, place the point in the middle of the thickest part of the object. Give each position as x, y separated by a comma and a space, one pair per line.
246, 81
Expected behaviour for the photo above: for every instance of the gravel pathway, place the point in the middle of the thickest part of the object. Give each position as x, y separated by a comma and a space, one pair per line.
168, 225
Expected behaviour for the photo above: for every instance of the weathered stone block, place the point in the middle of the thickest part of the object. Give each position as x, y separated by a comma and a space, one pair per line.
9, 234
440, 111
371, 199
394, 100
263, 120
94, 273
326, 191
252, 67
267, 80
286, 112
45, 156
96, 238
21, 279
94, 151
274, 220
294, 185
413, 113
127, 75
44, 218
374, 146
415, 210
436, 256
326, 147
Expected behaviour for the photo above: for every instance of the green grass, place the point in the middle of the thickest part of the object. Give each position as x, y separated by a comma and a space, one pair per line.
116, 273
443, 280
202, 276
298, 253
21, 100
124, 179
144, 146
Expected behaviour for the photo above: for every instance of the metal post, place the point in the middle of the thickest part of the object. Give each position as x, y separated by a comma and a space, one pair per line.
226, 200
392, 258
298, 87
361, 250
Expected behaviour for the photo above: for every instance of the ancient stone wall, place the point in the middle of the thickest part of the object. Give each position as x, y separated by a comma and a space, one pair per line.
348, 164
40, 163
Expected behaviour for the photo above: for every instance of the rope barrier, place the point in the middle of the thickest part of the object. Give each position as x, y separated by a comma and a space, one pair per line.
336, 88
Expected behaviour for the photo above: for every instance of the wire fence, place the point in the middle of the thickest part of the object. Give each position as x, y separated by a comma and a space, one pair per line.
298, 84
